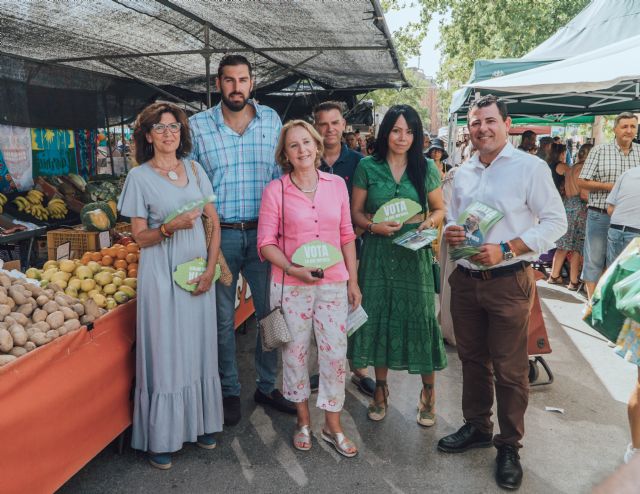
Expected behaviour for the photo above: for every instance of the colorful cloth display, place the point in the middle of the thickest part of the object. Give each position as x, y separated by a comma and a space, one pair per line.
86, 151
53, 152
16, 161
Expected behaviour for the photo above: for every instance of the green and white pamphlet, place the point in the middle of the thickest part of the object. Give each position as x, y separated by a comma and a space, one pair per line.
476, 220
355, 319
415, 239
190, 270
399, 209
317, 254
199, 204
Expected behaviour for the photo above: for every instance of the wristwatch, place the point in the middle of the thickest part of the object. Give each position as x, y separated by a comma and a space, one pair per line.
507, 253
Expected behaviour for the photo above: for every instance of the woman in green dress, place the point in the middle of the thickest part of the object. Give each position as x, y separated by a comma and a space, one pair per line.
397, 283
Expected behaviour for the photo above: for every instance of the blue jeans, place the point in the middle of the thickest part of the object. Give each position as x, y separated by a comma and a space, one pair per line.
595, 245
617, 240
240, 251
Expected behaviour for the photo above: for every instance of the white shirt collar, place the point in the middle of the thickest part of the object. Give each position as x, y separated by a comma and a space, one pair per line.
507, 152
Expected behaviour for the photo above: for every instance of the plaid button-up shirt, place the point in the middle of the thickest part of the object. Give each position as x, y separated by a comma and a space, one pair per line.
239, 166
606, 163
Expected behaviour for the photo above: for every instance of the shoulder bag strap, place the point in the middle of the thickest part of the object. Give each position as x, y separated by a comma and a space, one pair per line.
283, 240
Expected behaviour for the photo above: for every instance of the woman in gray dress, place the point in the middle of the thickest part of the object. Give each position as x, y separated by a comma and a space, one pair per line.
178, 397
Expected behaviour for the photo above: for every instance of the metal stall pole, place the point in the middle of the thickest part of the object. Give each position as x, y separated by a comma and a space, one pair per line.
106, 121
124, 143
207, 65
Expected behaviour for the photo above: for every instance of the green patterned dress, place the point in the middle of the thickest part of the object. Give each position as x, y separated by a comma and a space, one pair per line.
402, 332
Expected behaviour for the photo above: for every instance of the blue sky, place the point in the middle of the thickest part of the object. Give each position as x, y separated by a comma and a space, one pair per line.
429, 59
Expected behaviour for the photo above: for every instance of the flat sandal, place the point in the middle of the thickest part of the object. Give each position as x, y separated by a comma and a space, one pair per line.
302, 435
426, 416
340, 442
377, 410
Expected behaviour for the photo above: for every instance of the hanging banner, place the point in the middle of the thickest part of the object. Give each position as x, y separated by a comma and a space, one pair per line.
15, 146
53, 152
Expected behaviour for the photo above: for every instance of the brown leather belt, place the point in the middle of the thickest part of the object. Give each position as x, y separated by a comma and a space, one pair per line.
488, 274
242, 226
600, 210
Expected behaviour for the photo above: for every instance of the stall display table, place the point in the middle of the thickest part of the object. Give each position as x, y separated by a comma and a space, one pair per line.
62, 403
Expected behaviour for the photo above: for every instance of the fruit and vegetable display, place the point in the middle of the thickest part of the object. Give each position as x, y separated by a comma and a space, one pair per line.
32, 315
32, 203
99, 216
107, 277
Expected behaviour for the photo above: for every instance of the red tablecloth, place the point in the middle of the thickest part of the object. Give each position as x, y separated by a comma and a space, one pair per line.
61, 404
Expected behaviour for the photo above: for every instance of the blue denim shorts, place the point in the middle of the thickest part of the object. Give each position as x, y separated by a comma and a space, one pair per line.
617, 240
595, 245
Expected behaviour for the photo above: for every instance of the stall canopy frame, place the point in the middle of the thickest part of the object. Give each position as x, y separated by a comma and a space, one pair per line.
168, 46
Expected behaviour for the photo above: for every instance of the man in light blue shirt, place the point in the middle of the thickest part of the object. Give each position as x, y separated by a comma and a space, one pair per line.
235, 142
623, 205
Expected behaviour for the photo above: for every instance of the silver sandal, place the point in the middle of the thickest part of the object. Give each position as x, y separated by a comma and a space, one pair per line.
302, 435
340, 443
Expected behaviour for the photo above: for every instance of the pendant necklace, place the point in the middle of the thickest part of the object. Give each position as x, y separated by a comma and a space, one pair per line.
309, 191
173, 176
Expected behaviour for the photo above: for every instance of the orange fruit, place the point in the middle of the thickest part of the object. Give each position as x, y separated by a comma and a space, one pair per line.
104, 251
86, 257
133, 265
112, 251
96, 256
132, 258
121, 253
120, 264
133, 247
132, 273
107, 260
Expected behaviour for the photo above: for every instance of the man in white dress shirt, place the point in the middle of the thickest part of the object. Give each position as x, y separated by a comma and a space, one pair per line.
492, 292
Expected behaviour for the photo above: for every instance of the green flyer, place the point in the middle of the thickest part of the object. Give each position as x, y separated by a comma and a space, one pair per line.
190, 270
399, 210
200, 203
317, 254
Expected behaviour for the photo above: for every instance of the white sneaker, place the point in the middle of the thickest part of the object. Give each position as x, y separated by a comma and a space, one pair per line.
630, 452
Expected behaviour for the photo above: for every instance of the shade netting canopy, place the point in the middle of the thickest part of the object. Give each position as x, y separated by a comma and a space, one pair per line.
108, 44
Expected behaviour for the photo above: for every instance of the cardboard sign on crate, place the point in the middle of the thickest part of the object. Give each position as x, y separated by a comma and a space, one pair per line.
80, 240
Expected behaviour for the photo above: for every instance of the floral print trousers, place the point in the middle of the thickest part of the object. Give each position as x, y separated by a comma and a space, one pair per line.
322, 309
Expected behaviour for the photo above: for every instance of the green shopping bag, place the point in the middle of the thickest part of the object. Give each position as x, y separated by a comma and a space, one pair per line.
627, 293
603, 315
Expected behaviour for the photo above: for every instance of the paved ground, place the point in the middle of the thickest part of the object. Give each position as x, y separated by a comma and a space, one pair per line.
563, 453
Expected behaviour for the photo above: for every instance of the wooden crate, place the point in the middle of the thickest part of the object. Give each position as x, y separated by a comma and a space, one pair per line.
81, 240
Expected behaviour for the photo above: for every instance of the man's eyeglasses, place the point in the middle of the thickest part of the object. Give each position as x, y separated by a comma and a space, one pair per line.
174, 128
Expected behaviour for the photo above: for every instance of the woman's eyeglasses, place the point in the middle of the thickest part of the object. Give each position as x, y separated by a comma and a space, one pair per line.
174, 128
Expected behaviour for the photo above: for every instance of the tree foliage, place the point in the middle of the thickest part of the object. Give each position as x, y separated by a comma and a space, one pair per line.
480, 29
486, 29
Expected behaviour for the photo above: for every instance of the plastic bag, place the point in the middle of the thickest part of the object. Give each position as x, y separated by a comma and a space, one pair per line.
627, 293
603, 314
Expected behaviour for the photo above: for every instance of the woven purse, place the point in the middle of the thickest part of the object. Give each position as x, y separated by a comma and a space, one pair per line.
226, 278
273, 328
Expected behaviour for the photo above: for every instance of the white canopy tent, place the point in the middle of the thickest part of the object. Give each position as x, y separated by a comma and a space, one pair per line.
600, 81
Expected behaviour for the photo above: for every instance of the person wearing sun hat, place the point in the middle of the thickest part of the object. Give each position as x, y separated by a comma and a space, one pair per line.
438, 154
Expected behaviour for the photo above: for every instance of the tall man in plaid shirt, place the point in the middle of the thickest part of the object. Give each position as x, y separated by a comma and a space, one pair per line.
604, 165
235, 142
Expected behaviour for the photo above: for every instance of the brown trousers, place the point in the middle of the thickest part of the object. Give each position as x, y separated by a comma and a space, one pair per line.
491, 321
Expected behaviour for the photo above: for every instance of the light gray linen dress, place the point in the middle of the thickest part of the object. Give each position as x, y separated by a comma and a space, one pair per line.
178, 395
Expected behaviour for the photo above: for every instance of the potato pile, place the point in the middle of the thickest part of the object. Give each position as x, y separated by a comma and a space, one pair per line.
32, 316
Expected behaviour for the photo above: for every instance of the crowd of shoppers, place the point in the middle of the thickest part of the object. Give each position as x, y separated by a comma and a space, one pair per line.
276, 188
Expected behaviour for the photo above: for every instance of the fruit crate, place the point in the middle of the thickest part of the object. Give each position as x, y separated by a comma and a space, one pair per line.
81, 240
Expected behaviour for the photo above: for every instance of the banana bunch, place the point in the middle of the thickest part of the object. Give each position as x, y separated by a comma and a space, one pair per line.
37, 210
3, 201
35, 197
57, 208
